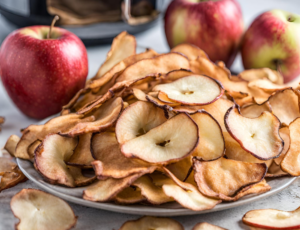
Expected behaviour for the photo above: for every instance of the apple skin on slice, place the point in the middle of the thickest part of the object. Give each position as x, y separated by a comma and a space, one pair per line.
272, 219
169, 142
258, 136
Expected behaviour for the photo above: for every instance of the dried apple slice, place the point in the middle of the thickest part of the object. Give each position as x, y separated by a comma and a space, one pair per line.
285, 105
106, 190
105, 116
11, 143
129, 195
266, 85
284, 133
11, 178
189, 50
154, 194
263, 73
275, 171
123, 46
210, 175
50, 158
169, 142
211, 141
176, 74
153, 223
187, 195
39, 132
192, 90
255, 110
258, 136
163, 63
137, 120
139, 94
290, 162
110, 162
82, 155
40, 210
272, 219
207, 226
182, 170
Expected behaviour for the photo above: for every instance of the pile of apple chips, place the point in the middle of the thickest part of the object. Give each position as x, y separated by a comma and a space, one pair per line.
157, 128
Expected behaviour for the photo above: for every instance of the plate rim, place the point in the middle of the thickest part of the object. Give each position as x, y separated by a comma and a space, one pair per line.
149, 210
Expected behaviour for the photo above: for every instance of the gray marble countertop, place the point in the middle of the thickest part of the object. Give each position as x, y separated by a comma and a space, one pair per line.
89, 218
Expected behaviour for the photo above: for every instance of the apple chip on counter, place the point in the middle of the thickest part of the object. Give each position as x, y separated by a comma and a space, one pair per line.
154, 128
37, 210
207, 226
272, 219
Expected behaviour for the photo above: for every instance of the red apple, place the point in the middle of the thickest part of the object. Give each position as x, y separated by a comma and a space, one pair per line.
273, 40
214, 26
39, 74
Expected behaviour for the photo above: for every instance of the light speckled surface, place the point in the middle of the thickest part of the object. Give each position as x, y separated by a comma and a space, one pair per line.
90, 218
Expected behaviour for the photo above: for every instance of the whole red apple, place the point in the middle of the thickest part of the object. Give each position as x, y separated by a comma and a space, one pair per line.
273, 40
40, 74
214, 26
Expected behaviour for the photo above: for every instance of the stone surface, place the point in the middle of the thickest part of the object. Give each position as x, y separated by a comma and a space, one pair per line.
89, 218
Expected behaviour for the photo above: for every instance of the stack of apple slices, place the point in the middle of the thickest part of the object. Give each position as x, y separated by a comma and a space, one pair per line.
158, 128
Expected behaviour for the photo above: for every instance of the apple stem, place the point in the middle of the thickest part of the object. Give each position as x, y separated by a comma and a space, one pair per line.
278, 65
52, 25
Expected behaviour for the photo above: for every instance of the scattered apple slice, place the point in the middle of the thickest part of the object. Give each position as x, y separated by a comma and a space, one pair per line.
258, 136
169, 142
50, 158
290, 162
39, 210
153, 223
105, 116
187, 195
123, 46
82, 155
192, 90
262, 73
189, 50
211, 141
285, 105
163, 63
110, 162
207, 226
266, 85
272, 219
137, 120
154, 194
129, 195
210, 175
11, 178
11, 144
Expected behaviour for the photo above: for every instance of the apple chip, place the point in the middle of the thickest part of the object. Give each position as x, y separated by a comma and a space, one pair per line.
82, 155
32, 147
290, 162
98, 82
272, 219
189, 50
284, 133
105, 116
211, 141
106, 190
183, 170
40, 210
139, 94
110, 162
210, 177
129, 195
187, 195
285, 105
166, 143
262, 73
266, 85
163, 63
153, 223
137, 120
50, 158
11, 177
258, 136
11, 143
163, 105
192, 90
154, 194
275, 171
207, 226
123, 46
255, 110
79, 178
176, 74
39, 132
2, 120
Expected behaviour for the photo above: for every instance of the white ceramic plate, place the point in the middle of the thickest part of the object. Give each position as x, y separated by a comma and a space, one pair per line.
171, 209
